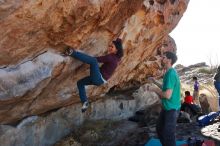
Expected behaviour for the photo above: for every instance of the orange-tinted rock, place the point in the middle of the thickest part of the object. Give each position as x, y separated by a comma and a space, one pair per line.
35, 78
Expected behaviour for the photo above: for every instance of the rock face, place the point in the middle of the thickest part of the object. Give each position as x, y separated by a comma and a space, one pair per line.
35, 78
49, 128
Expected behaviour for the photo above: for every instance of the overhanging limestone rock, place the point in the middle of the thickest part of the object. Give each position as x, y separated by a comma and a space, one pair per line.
33, 29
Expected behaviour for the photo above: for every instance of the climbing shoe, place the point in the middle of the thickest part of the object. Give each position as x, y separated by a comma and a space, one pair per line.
68, 50
85, 106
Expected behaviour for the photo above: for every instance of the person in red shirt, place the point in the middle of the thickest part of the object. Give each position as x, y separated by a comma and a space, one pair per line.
189, 106
188, 98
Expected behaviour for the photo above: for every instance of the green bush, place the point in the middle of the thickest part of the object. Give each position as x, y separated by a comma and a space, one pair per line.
206, 71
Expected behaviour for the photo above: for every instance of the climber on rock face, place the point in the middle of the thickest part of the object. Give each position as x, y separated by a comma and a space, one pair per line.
98, 75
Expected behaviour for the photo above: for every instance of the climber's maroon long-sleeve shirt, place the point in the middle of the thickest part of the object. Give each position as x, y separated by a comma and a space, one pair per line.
110, 62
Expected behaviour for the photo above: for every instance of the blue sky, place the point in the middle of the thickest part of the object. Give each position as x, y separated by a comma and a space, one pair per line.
197, 35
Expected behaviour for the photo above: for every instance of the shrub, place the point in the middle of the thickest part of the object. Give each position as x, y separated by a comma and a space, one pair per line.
206, 71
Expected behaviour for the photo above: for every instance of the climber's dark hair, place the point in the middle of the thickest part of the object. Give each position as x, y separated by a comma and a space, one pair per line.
118, 46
